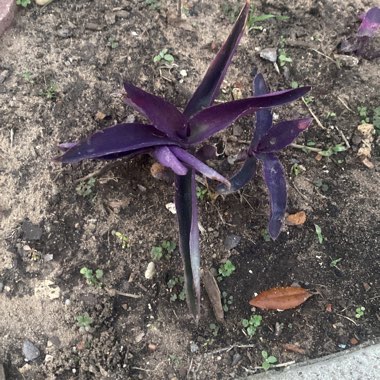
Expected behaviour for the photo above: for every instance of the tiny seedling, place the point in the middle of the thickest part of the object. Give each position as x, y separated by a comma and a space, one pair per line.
163, 56
294, 84
227, 301
363, 114
165, 250
214, 329
112, 43
23, 3
318, 231
331, 115
252, 324
122, 238
201, 193
86, 188
334, 263
319, 184
332, 150
308, 99
253, 19
93, 279
176, 288
265, 234
297, 169
359, 312
50, 92
283, 59
84, 321
225, 270
28, 77
269, 360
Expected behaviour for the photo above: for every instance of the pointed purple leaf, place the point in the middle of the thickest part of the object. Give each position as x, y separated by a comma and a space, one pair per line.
282, 134
370, 23
208, 90
274, 176
162, 114
166, 158
245, 174
186, 206
198, 165
118, 139
216, 118
264, 117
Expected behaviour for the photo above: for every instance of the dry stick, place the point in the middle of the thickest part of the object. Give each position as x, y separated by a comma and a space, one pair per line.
313, 114
351, 320
279, 365
227, 349
345, 104
298, 146
97, 172
343, 137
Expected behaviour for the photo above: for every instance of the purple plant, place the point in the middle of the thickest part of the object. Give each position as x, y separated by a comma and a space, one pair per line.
171, 138
360, 44
267, 140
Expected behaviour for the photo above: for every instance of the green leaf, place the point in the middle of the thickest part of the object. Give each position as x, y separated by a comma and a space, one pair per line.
245, 322
99, 274
169, 58
157, 58
264, 354
266, 366
271, 359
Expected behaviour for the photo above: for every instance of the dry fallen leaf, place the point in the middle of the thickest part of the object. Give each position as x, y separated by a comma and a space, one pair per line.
354, 341
213, 293
294, 348
280, 298
296, 219
100, 116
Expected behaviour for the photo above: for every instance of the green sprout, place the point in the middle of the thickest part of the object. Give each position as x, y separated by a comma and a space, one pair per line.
93, 279
363, 114
214, 329
27, 76
269, 360
86, 188
253, 20
308, 99
265, 234
227, 301
297, 169
122, 238
201, 193
84, 321
165, 250
283, 58
334, 263
163, 55
23, 3
332, 150
176, 288
318, 231
50, 92
359, 312
226, 269
112, 43
252, 324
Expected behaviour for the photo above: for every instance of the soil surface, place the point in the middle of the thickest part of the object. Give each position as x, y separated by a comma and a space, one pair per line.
62, 68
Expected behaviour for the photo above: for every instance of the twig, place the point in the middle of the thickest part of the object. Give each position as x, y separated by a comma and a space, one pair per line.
345, 104
97, 172
313, 114
351, 320
188, 371
116, 292
324, 55
343, 137
287, 364
298, 146
12, 136
227, 349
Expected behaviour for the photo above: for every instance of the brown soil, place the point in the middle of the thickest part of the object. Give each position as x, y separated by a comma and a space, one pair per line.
61, 73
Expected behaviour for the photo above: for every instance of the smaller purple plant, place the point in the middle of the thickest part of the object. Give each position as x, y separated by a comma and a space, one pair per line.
268, 139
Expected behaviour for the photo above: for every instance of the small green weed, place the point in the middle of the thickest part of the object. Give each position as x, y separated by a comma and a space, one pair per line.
176, 288
123, 239
227, 301
214, 329
265, 234
84, 321
333, 150
225, 270
363, 114
253, 19
201, 193
252, 324
283, 59
112, 43
269, 360
23, 3
28, 77
297, 169
50, 92
318, 231
359, 312
164, 250
308, 99
86, 188
93, 279
334, 263
163, 56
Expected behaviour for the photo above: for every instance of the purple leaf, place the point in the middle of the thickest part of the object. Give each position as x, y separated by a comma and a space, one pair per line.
163, 115
186, 206
282, 134
118, 139
198, 165
370, 23
274, 176
166, 158
208, 90
245, 174
264, 117
206, 152
216, 118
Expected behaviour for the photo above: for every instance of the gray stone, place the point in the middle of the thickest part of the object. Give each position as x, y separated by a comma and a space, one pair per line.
94, 27
31, 231
231, 241
7, 12
30, 351
64, 33
4, 75
122, 14
270, 54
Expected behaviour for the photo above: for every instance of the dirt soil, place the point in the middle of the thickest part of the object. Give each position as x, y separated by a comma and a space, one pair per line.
63, 67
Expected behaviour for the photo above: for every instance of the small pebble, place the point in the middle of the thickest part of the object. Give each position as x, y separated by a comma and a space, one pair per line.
152, 347
270, 54
94, 27
193, 347
150, 270
231, 241
64, 33
235, 359
4, 75
30, 351
122, 14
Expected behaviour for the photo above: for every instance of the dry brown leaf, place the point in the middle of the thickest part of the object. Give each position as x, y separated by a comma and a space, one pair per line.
100, 116
280, 298
296, 219
354, 341
329, 307
294, 348
213, 293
